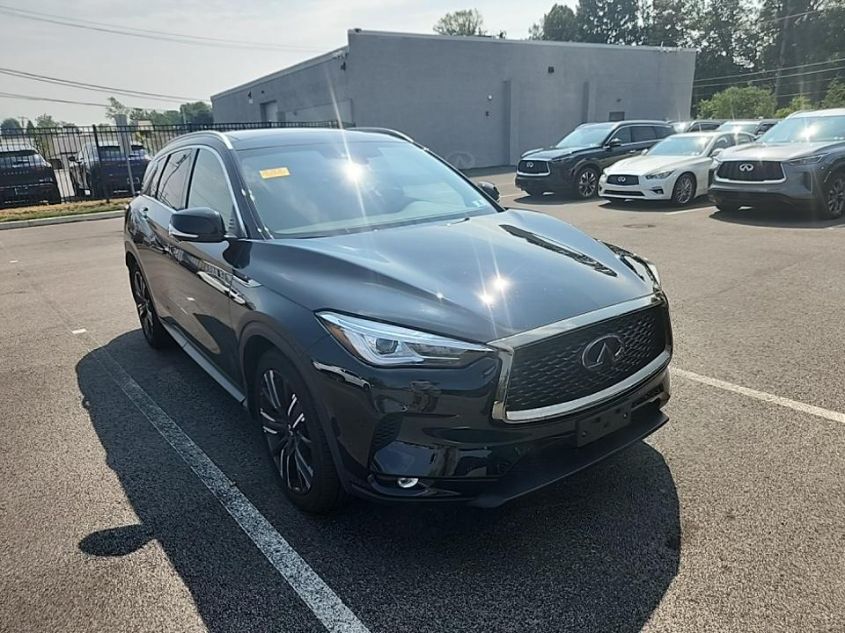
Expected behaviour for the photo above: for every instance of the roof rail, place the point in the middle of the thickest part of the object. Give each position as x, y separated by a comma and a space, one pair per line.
382, 130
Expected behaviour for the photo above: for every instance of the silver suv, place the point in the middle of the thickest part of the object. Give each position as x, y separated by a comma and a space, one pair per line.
800, 162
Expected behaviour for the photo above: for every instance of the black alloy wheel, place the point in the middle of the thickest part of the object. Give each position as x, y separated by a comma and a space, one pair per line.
295, 440
153, 330
684, 190
835, 196
586, 182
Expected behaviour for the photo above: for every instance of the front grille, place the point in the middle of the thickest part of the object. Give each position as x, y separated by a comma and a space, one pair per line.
750, 170
623, 180
550, 371
533, 167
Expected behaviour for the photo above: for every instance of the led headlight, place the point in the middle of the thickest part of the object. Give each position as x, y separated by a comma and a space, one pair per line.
659, 175
806, 160
390, 345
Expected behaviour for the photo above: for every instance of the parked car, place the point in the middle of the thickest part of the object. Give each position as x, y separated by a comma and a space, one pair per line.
394, 331
799, 163
576, 162
678, 168
755, 127
25, 177
102, 171
698, 125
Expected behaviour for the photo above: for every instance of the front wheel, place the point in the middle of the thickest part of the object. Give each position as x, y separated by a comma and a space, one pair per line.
586, 182
834, 196
684, 190
295, 439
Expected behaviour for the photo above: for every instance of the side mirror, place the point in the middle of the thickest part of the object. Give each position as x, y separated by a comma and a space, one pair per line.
197, 225
716, 152
614, 142
490, 190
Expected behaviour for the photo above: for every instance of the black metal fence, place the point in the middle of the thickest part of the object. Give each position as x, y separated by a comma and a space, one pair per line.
98, 162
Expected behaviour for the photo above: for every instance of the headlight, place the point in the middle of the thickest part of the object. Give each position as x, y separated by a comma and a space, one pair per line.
652, 269
660, 175
560, 159
389, 345
807, 160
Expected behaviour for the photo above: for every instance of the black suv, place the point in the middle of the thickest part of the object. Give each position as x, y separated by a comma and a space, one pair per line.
576, 162
25, 177
394, 331
800, 163
102, 171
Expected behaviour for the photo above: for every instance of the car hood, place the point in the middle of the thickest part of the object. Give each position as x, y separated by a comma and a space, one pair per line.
550, 153
477, 279
645, 164
774, 151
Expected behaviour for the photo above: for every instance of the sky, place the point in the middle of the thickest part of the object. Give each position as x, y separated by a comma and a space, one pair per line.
303, 29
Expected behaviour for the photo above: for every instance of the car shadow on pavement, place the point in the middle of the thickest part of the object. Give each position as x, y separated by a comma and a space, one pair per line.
779, 217
655, 206
596, 552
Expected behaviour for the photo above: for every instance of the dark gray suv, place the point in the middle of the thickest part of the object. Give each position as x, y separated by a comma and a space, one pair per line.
800, 162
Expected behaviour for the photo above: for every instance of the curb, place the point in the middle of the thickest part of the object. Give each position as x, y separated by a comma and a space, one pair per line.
62, 219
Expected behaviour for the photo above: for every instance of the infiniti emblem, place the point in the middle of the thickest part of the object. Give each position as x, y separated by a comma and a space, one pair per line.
621, 178
529, 164
602, 353
746, 167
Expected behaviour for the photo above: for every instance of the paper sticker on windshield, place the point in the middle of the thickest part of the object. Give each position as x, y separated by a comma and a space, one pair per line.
276, 172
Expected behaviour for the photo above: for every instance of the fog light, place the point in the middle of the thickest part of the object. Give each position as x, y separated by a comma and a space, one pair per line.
407, 482
658, 190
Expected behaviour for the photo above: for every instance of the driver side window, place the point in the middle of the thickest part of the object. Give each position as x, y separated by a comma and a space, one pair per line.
210, 188
623, 135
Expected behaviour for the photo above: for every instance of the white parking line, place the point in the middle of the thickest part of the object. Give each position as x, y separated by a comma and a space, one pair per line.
323, 602
688, 210
795, 405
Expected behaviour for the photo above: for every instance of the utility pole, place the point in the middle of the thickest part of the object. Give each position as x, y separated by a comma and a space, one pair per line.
785, 38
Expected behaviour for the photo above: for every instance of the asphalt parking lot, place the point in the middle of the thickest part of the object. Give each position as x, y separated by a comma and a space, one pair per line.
730, 518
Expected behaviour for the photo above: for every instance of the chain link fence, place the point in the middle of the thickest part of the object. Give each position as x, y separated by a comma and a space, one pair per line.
98, 162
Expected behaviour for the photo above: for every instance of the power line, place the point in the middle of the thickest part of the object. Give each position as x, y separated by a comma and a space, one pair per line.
179, 38
94, 87
774, 70
750, 81
12, 95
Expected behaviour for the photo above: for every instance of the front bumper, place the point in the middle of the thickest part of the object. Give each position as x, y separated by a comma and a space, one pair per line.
801, 187
436, 426
559, 178
644, 190
32, 192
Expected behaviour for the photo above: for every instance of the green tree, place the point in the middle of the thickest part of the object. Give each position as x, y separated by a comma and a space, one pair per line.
749, 102
197, 112
798, 103
559, 24
115, 109
46, 120
670, 22
463, 22
835, 96
609, 21
10, 126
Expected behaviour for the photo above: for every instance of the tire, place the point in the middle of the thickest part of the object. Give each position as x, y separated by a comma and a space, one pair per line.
154, 332
296, 443
684, 190
586, 183
833, 205
55, 197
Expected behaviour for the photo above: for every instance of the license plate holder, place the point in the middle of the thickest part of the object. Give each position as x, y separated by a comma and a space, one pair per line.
595, 427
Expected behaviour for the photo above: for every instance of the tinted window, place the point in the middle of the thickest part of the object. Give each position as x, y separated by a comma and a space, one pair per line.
174, 177
589, 135
210, 188
150, 178
708, 125
661, 131
623, 135
643, 133
343, 187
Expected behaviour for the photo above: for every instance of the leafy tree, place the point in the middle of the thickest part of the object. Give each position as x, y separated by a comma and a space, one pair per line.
559, 24
463, 22
46, 120
609, 21
749, 102
800, 102
196, 112
115, 109
670, 22
10, 126
835, 97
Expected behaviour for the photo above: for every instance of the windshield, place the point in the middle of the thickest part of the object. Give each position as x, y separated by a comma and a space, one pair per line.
807, 129
326, 188
586, 135
16, 158
749, 127
111, 152
680, 146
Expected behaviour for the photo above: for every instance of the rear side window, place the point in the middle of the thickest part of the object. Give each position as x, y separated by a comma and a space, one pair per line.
643, 133
174, 179
623, 134
210, 188
708, 125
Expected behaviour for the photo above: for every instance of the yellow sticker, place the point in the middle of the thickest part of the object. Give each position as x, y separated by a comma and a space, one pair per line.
276, 172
